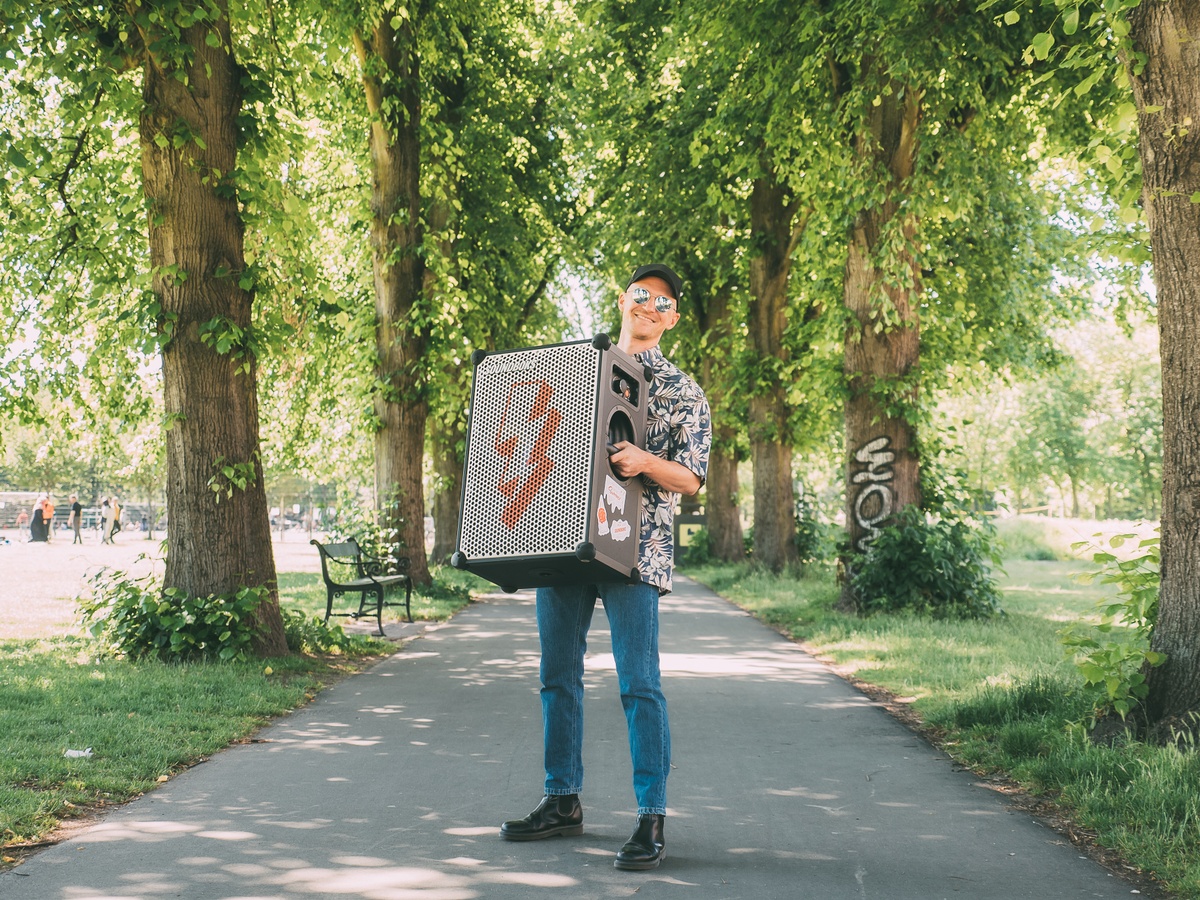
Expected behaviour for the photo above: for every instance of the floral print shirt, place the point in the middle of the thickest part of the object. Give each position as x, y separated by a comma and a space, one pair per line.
678, 428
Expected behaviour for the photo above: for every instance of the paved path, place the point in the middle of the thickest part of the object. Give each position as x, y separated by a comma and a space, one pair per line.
787, 784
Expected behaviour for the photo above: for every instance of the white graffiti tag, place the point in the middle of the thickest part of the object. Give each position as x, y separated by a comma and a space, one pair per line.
873, 504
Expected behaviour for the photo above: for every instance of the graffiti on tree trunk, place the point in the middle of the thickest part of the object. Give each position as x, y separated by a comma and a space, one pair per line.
873, 502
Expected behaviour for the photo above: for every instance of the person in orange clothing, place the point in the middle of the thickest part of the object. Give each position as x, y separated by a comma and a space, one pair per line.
48, 517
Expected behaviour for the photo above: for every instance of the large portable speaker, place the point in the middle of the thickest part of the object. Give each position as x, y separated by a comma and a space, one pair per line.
541, 503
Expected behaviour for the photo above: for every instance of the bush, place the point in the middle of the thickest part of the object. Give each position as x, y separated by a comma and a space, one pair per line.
445, 591
815, 541
135, 617
935, 566
698, 552
306, 633
1114, 664
366, 526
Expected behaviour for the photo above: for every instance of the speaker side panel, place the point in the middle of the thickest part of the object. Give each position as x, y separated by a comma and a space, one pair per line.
615, 512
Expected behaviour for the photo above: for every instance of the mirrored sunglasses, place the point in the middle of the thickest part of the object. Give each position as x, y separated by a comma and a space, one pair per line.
662, 302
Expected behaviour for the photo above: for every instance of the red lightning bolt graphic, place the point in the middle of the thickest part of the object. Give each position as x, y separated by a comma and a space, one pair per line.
537, 394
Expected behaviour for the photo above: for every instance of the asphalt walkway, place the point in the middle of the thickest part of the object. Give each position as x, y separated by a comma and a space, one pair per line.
786, 783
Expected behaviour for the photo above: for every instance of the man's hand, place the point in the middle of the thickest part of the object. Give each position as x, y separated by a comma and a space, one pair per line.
629, 460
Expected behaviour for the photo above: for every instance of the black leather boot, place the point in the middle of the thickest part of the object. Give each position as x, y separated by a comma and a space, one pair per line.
646, 848
555, 815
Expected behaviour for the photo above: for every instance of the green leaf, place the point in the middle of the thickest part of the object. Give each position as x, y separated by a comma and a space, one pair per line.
1071, 20
1012, 17
1042, 42
16, 158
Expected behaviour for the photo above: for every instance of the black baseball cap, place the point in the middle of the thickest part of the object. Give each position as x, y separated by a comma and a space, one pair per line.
661, 271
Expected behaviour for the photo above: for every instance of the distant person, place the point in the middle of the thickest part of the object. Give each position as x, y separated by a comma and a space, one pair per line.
76, 519
105, 521
48, 516
37, 520
22, 520
116, 519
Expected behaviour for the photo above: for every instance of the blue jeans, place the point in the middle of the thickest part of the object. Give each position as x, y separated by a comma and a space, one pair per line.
564, 615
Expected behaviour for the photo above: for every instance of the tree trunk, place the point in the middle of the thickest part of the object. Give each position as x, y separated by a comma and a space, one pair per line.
447, 438
723, 518
392, 81
882, 344
218, 528
447, 500
771, 215
722, 511
1169, 146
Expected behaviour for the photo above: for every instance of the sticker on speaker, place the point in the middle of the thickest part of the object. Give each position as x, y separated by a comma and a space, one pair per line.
614, 494
620, 530
601, 518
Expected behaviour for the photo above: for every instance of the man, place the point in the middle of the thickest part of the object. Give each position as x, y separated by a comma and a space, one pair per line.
76, 519
674, 462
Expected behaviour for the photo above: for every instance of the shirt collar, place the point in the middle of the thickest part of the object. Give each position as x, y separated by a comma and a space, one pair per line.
650, 357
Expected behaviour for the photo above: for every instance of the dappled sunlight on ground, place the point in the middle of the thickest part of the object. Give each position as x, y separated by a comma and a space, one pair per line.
790, 666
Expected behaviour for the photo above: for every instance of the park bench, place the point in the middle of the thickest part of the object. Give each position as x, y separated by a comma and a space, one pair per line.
347, 570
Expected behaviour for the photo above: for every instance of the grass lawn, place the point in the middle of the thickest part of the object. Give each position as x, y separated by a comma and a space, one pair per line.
147, 720
144, 721
1001, 697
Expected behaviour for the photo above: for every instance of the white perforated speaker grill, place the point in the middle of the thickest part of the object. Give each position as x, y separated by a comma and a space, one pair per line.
529, 452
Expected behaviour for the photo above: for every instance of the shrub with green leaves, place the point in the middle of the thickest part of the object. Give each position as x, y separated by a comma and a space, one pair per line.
377, 541
307, 633
1113, 665
698, 552
930, 565
815, 541
445, 591
136, 617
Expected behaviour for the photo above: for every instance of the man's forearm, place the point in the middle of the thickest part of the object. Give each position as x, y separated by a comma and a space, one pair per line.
670, 476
